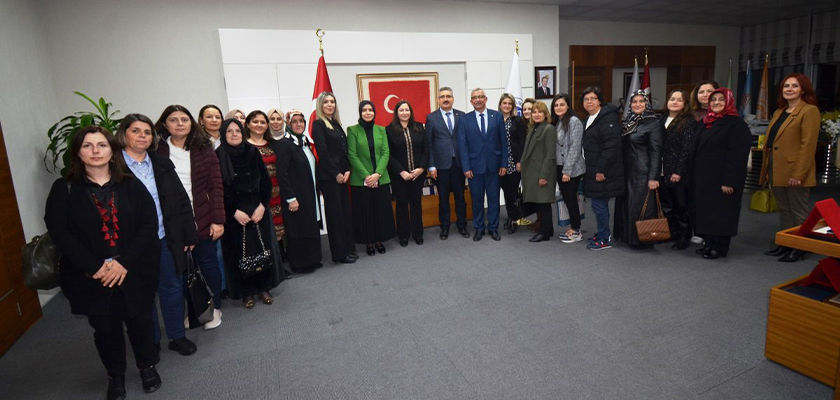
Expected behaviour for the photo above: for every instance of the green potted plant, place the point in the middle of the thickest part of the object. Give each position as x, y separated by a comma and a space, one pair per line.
62, 133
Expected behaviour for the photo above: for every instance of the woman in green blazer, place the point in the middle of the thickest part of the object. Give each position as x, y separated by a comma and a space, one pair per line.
367, 149
539, 172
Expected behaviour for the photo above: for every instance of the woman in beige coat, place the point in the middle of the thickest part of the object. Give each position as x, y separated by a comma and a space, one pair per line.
788, 163
539, 169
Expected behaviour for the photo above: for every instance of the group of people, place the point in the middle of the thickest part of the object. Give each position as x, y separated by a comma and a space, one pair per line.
139, 208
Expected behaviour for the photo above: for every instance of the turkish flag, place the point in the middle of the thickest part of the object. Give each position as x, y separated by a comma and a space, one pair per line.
386, 94
322, 84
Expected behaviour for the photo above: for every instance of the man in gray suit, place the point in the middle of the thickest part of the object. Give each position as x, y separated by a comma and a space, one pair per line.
444, 163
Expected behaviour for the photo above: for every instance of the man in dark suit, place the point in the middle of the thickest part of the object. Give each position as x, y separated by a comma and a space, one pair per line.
543, 90
444, 163
482, 146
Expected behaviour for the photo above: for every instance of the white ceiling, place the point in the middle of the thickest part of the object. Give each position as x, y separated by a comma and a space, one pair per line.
711, 12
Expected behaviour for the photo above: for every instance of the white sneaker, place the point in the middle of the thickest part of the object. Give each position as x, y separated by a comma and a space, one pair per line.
697, 240
216, 321
573, 238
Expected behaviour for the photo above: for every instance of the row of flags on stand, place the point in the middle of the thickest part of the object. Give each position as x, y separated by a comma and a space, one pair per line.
762, 109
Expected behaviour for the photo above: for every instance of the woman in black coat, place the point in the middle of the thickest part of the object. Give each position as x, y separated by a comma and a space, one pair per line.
642, 155
97, 253
333, 173
247, 188
515, 131
604, 178
409, 158
296, 181
176, 226
680, 128
720, 168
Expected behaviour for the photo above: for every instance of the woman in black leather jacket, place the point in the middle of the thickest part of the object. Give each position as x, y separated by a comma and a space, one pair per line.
642, 155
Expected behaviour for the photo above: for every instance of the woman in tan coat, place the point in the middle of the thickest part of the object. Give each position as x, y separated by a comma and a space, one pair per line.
788, 163
539, 169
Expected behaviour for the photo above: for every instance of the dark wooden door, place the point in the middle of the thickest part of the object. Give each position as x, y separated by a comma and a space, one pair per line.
19, 305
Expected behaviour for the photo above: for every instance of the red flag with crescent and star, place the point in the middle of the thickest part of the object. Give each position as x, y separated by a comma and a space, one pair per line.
322, 84
386, 94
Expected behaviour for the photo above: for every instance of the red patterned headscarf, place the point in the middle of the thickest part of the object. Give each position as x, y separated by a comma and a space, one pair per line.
728, 109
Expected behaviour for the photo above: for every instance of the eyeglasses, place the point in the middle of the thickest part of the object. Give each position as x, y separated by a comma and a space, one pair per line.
481, 96
589, 99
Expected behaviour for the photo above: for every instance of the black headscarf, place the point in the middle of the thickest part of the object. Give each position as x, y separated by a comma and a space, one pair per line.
233, 157
368, 126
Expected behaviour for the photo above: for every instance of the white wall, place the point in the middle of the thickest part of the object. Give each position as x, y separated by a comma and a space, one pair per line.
262, 80
726, 39
27, 107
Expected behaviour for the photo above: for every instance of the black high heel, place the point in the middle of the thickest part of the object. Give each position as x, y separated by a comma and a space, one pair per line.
793, 256
703, 250
778, 251
370, 250
380, 248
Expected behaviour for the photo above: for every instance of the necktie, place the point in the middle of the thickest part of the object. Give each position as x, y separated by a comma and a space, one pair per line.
449, 121
483, 128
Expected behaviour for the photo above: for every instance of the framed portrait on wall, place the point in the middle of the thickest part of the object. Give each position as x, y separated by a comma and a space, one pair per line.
544, 81
386, 90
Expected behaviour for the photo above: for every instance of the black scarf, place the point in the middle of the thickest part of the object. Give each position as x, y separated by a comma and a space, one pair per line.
367, 126
233, 157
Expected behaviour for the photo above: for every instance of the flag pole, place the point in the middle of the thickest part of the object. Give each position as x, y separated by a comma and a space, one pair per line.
320, 33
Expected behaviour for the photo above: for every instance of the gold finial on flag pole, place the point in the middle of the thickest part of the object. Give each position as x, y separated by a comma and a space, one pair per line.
766, 58
646, 55
517, 47
320, 33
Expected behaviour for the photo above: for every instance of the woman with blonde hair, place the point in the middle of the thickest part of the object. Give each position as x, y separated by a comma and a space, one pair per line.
333, 173
539, 171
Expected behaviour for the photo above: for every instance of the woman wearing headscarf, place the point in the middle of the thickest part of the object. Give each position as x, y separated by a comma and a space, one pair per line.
296, 180
247, 189
680, 128
238, 114
333, 173
789, 165
642, 155
276, 123
408, 159
368, 152
719, 171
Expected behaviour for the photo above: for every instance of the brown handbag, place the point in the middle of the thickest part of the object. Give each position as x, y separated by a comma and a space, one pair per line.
654, 229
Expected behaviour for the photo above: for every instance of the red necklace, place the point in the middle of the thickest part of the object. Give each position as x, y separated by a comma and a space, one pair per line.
110, 234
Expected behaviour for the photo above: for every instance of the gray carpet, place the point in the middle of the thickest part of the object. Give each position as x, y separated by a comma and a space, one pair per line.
462, 320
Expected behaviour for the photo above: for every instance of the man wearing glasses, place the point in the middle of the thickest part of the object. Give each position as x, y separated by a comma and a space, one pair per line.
444, 163
483, 150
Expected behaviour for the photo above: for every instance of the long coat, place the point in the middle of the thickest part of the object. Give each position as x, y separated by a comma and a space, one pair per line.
602, 150
75, 226
358, 153
539, 161
794, 147
642, 155
294, 179
720, 159
178, 220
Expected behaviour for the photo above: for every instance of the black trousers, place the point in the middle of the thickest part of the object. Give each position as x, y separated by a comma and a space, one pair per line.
339, 218
451, 181
569, 192
675, 206
409, 210
544, 218
510, 185
718, 242
110, 341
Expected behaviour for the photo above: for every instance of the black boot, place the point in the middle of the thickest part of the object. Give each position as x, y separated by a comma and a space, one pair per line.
116, 387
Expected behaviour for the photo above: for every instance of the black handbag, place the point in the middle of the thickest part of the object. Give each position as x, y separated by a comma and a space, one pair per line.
200, 297
256, 263
40, 263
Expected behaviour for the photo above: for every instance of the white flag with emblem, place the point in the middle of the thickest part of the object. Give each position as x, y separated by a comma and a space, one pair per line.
514, 83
